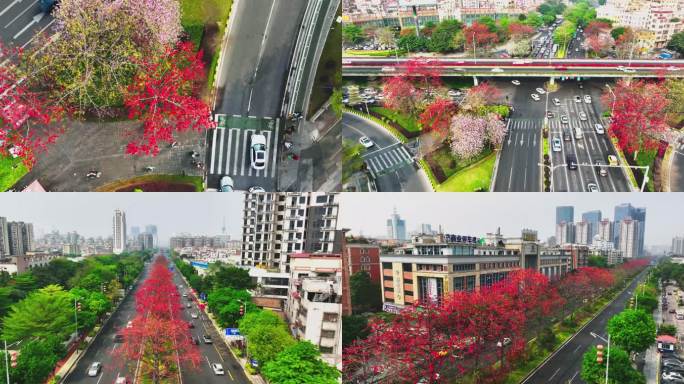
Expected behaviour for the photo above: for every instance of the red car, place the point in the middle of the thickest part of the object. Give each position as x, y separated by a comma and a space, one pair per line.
561, 68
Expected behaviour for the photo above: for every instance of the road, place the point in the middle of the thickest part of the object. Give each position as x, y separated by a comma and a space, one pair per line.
519, 169
21, 21
389, 160
677, 168
564, 366
103, 349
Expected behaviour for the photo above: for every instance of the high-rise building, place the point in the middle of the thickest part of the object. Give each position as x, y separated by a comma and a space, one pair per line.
276, 225
4, 238
677, 246
146, 240
583, 232
629, 238
135, 231
565, 214
396, 227
565, 232
605, 231
27, 236
15, 234
426, 229
640, 214
152, 230
627, 211
593, 218
119, 232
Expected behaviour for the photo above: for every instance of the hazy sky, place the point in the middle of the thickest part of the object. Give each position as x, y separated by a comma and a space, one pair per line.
90, 214
478, 213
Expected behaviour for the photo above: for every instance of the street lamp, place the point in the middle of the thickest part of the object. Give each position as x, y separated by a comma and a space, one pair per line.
595, 336
6, 362
612, 107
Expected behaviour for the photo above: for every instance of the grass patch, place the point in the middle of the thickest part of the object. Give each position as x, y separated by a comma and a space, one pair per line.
11, 170
450, 164
433, 180
546, 145
647, 158
328, 74
473, 178
623, 161
405, 121
172, 180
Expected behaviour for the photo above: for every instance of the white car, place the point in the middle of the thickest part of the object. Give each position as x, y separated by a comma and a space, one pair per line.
673, 68
217, 368
129, 325
540, 91
587, 99
94, 369
592, 187
564, 119
194, 315
366, 142
556, 102
226, 184
582, 116
256, 189
578, 99
453, 93
258, 151
535, 97
515, 82
498, 70
556, 144
629, 70
599, 129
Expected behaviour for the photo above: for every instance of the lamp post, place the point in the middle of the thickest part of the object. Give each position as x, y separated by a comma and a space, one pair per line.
595, 336
6, 358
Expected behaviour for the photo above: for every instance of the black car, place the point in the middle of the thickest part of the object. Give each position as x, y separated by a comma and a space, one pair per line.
566, 136
571, 161
118, 338
47, 5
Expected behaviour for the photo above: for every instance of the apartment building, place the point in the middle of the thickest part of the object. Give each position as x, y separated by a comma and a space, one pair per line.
661, 17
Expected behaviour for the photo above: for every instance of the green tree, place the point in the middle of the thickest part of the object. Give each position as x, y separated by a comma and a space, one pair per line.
620, 371
225, 304
534, 19
458, 41
633, 330
259, 318
386, 37
265, 342
46, 312
38, 358
564, 33
25, 282
231, 276
354, 327
668, 329
352, 34
442, 39
522, 48
352, 162
412, 43
597, 261
300, 364
365, 295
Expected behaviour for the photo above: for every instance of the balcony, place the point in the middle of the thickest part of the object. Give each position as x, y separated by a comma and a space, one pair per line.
319, 286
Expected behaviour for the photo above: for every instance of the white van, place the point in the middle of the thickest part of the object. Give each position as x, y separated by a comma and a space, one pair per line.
578, 133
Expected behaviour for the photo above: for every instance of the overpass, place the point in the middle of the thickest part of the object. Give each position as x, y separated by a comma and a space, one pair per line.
554, 68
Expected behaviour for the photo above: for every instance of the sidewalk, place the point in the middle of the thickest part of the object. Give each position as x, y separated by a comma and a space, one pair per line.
652, 357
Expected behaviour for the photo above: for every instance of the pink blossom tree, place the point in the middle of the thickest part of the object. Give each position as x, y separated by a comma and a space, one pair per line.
467, 135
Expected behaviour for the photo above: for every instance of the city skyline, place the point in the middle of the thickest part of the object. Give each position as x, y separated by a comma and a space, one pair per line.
91, 215
665, 215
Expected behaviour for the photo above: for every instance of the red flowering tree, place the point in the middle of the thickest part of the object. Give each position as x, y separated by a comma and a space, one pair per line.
158, 336
408, 92
597, 27
437, 116
480, 95
599, 43
518, 31
24, 113
639, 118
479, 35
163, 95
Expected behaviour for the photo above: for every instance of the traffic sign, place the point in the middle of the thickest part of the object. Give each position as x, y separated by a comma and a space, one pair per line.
232, 332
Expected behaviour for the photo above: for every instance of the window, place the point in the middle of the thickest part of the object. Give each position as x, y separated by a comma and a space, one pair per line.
325, 349
328, 334
331, 317
464, 267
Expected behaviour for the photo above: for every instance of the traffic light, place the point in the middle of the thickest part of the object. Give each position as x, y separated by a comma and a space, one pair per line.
13, 358
599, 354
242, 309
78, 306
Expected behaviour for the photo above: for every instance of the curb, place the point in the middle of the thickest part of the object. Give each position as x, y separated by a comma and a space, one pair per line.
397, 135
492, 184
555, 352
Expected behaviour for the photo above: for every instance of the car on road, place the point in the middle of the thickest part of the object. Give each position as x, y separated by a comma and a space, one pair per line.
206, 339
453, 93
217, 368
599, 129
515, 82
366, 142
129, 324
580, 85
564, 119
592, 187
571, 161
256, 189
672, 311
122, 380
94, 369
498, 70
556, 144
258, 151
629, 70
550, 115
194, 315
582, 116
672, 68
578, 133
540, 91
587, 99
47, 5
578, 99
613, 160
118, 338
534, 97
601, 167
672, 376
226, 185
566, 135
188, 305
556, 102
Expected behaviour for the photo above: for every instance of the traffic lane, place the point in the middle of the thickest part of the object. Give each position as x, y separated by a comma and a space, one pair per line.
354, 127
564, 366
677, 172
273, 67
103, 348
504, 172
582, 147
20, 21
236, 77
486, 71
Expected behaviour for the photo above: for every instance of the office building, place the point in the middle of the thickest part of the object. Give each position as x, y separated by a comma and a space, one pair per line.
135, 231
15, 234
605, 231
152, 230
627, 211
677, 246
583, 232
565, 214
426, 229
27, 236
396, 227
4, 238
629, 238
565, 232
119, 232
593, 218
276, 225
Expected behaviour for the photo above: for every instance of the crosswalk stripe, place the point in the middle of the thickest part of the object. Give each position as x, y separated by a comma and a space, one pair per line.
230, 147
223, 133
213, 151
244, 145
405, 152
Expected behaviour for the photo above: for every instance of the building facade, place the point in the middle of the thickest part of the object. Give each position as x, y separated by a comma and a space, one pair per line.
565, 214
593, 218
363, 258
583, 232
119, 232
565, 232
396, 227
677, 248
629, 238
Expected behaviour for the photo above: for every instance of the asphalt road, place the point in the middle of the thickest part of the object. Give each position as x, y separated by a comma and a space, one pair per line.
508, 71
21, 21
518, 169
104, 349
677, 169
566, 363
389, 160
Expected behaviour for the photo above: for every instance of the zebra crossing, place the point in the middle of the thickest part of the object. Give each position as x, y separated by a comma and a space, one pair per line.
523, 132
387, 159
230, 150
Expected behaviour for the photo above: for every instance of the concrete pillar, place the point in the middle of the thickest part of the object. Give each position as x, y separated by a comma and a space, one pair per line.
553, 80
475, 81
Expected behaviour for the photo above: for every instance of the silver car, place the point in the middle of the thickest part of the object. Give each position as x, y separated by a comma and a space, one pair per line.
94, 369
258, 151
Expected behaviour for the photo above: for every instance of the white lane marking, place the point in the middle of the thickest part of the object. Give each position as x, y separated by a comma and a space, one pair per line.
263, 40
237, 153
19, 15
230, 148
36, 19
213, 151
576, 349
100, 378
249, 103
554, 374
220, 163
573, 376
9, 6
39, 32
275, 148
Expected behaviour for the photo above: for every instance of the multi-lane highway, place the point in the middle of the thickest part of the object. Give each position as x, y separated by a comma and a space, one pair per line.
104, 349
390, 162
566, 363
21, 21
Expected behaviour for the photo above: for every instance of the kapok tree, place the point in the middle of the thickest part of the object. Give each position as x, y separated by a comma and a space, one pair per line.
164, 95
479, 35
437, 116
480, 95
24, 113
639, 117
518, 31
408, 91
